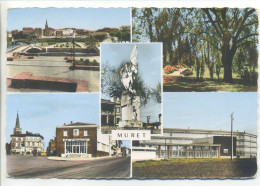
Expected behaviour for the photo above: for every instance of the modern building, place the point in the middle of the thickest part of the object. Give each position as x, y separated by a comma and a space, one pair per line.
199, 143
81, 140
28, 143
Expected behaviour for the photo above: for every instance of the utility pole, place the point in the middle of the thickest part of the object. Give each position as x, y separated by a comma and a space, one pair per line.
232, 118
73, 62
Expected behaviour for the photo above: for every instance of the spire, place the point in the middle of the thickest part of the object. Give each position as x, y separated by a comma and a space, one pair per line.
46, 24
17, 129
17, 124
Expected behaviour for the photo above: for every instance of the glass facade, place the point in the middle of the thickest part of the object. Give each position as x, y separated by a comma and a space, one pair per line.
76, 147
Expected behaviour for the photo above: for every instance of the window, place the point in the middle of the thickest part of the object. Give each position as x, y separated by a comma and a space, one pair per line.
76, 147
225, 151
75, 132
16, 144
85, 132
117, 109
65, 133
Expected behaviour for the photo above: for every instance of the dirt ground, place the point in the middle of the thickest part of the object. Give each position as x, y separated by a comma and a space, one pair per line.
195, 168
206, 86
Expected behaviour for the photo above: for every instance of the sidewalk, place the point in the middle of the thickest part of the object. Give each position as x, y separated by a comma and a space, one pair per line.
56, 158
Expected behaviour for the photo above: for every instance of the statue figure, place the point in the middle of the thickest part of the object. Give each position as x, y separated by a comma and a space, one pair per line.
129, 71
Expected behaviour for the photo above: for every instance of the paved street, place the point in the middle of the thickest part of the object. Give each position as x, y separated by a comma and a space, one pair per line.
40, 167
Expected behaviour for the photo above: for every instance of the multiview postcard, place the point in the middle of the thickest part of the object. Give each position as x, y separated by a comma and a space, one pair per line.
130, 94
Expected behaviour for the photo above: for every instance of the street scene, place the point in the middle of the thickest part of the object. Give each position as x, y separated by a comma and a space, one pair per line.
44, 55
46, 146
131, 87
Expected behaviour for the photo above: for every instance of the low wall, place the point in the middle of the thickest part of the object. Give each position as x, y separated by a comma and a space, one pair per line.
26, 80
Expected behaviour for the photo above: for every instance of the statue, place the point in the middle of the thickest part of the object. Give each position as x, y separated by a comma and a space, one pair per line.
129, 71
130, 107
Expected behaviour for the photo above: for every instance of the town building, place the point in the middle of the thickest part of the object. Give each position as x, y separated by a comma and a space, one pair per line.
198, 143
48, 31
68, 32
81, 140
124, 28
110, 112
38, 32
14, 32
59, 32
28, 143
28, 30
51, 149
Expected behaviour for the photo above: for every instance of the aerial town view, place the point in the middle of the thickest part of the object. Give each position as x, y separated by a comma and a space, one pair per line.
49, 145
45, 55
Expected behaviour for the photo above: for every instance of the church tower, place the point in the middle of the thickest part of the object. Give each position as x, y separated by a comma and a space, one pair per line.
46, 24
17, 129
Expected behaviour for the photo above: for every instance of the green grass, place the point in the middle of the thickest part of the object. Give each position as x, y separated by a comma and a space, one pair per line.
190, 83
205, 168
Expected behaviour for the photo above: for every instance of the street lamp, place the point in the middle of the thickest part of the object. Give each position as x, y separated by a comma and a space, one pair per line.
73, 42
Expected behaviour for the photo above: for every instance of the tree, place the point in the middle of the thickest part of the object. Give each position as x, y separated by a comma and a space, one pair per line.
232, 28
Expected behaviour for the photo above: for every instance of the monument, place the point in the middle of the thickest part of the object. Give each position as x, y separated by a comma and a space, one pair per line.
130, 102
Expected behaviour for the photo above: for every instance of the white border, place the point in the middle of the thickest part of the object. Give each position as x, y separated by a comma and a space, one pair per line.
95, 3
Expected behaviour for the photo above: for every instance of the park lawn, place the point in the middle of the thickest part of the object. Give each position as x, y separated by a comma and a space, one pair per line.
206, 86
188, 84
204, 168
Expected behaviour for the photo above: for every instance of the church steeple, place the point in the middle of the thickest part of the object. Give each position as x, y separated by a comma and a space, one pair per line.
17, 125
17, 129
46, 24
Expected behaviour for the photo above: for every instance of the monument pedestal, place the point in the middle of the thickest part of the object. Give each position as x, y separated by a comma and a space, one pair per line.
130, 110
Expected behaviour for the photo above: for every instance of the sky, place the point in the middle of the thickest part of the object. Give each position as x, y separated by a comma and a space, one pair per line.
41, 113
149, 61
85, 18
210, 110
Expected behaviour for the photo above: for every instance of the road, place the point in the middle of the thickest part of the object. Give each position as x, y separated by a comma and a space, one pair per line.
40, 167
